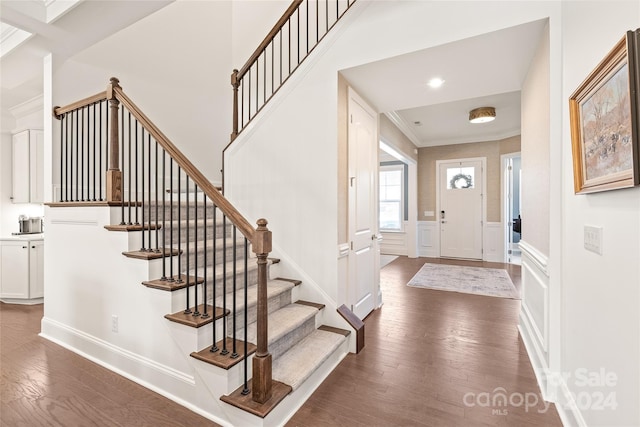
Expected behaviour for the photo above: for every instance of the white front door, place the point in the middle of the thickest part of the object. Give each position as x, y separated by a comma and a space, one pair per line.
363, 213
460, 215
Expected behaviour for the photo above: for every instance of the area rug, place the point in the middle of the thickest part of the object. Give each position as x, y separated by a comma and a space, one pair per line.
469, 280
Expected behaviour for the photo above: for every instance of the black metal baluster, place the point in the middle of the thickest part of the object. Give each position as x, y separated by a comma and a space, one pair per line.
100, 152
68, 178
129, 170
62, 144
214, 346
171, 277
137, 174
143, 248
234, 354
81, 156
179, 279
242, 104
280, 56
149, 192
307, 29
298, 30
121, 127
164, 276
106, 145
224, 351
289, 56
188, 250
264, 77
317, 21
273, 65
76, 165
249, 97
88, 163
195, 252
245, 390
94, 152
205, 314
164, 213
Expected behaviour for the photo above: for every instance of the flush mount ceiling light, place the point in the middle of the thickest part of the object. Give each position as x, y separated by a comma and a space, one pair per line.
482, 115
435, 82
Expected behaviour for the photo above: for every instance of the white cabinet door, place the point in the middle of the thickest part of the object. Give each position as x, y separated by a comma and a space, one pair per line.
20, 177
28, 167
36, 269
14, 256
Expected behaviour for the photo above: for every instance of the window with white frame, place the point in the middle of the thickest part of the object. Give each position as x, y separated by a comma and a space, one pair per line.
391, 197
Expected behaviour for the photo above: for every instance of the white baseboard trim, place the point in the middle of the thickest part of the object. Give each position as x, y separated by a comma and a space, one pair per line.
124, 362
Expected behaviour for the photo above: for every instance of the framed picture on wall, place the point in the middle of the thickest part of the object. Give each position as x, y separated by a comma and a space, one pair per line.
604, 122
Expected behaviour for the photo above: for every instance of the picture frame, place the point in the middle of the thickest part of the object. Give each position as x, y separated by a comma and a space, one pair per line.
604, 122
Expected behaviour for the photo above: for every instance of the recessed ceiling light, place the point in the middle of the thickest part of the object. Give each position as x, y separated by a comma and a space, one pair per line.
436, 82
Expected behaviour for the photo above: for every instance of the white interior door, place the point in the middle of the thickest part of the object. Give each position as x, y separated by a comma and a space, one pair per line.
461, 184
363, 213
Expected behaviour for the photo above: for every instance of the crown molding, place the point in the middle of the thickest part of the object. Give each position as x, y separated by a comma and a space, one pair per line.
404, 127
28, 107
469, 140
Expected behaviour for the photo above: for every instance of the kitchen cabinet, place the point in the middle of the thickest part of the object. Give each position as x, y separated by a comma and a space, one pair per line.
28, 166
21, 269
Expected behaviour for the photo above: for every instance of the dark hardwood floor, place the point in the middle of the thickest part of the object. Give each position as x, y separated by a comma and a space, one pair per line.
43, 384
426, 351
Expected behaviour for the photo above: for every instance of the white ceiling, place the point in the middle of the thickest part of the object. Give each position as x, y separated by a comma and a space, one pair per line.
61, 27
487, 70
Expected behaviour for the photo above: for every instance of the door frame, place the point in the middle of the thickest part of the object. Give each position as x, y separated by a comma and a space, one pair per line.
483, 162
411, 228
503, 202
353, 96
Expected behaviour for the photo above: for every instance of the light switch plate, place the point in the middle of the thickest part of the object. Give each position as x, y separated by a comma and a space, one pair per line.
593, 239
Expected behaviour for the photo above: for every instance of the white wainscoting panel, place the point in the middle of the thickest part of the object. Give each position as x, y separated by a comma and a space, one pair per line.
534, 315
493, 242
428, 239
393, 243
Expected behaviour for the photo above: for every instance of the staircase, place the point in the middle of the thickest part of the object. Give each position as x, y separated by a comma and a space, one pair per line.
298, 343
209, 322
239, 334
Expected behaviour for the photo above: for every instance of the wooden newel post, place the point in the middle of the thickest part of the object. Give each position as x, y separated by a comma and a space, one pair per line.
262, 380
236, 84
114, 174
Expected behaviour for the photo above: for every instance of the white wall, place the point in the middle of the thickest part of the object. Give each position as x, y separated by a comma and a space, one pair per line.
601, 293
284, 167
175, 65
251, 22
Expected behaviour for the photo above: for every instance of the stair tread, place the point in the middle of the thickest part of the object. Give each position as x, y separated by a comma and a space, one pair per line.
274, 287
282, 321
301, 360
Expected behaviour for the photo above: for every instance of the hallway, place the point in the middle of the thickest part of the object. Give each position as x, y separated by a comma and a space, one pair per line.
425, 351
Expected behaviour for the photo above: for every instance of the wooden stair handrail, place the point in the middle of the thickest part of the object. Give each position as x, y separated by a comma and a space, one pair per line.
193, 172
59, 111
274, 31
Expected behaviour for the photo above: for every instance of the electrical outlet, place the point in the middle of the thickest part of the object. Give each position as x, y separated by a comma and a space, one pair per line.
593, 239
114, 323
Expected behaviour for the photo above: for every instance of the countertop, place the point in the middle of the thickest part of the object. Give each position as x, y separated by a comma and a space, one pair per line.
38, 236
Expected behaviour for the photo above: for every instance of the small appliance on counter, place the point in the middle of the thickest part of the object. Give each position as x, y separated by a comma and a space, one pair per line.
29, 225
